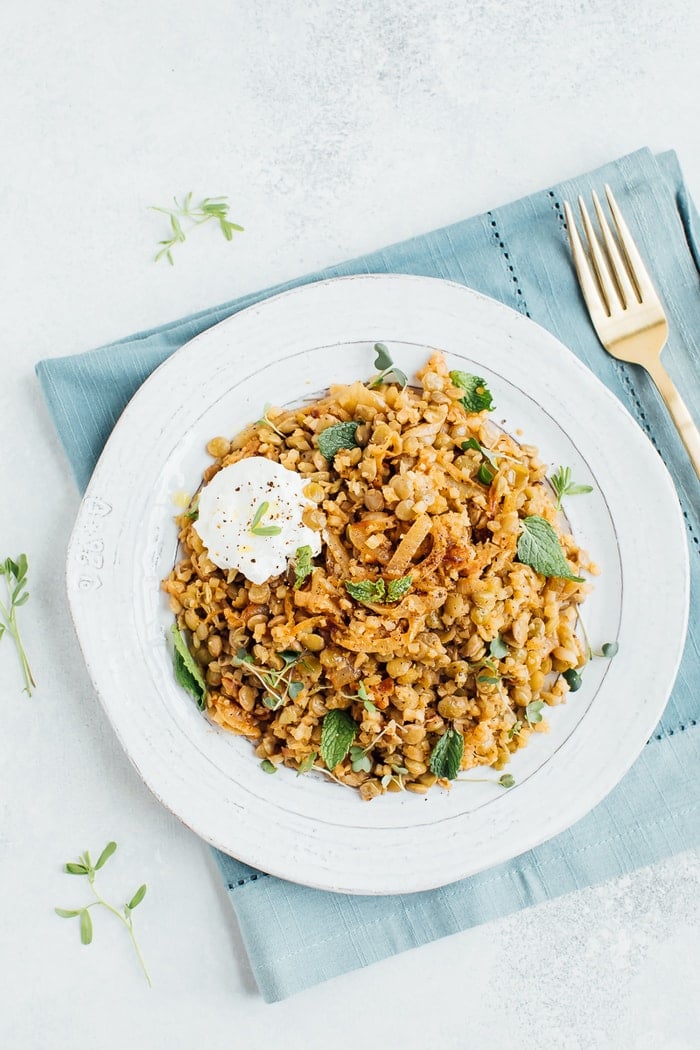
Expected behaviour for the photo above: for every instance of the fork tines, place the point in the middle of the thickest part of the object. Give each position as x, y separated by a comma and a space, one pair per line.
613, 279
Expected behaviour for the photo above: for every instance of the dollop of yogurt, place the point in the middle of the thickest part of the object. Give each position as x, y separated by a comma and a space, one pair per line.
250, 518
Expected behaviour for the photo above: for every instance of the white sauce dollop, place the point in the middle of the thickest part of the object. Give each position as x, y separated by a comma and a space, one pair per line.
227, 509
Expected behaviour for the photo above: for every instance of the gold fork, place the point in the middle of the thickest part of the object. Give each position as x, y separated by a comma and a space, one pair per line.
625, 308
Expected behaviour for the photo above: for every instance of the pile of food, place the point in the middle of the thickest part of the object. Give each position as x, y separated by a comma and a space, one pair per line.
379, 585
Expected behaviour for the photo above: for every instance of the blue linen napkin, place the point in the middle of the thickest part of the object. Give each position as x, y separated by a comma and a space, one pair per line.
295, 936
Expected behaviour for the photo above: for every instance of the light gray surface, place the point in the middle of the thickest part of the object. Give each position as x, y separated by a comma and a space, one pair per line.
334, 128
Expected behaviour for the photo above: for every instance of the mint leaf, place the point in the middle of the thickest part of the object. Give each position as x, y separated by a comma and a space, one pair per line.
339, 436
539, 547
366, 590
187, 671
396, 589
477, 395
446, 756
303, 566
338, 732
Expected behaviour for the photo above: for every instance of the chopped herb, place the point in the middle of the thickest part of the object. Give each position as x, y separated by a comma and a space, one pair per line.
187, 671
294, 689
487, 470
477, 396
263, 530
539, 547
446, 756
192, 511
383, 361
337, 734
307, 763
485, 474
397, 589
264, 421
337, 437
507, 780
515, 729
563, 486
267, 766
498, 648
303, 566
84, 866
378, 591
573, 678
15, 573
366, 590
490, 679
209, 208
533, 712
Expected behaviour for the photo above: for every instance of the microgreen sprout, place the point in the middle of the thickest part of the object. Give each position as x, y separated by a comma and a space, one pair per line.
263, 530
383, 361
563, 485
84, 866
208, 209
279, 685
265, 421
15, 573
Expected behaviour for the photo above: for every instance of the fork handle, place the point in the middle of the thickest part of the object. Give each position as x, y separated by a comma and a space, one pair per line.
679, 411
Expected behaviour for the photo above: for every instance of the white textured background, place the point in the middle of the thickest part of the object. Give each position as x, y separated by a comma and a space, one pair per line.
334, 127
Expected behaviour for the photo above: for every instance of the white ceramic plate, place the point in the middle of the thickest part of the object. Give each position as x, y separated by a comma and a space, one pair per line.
306, 828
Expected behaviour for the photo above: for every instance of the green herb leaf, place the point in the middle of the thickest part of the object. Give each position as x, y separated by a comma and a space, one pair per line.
137, 898
307, 763
359, 760
366, 590
336, 437
383, 361
263, 530
85, 927
84, 866
105, 855
17, 596
539, 547
610, 649
265, 422
515, 729
267, 766
338, 732
490, 679
76, 869
563, 486
303, 566
294, 689
477, 395
485, 474
573, 678
209, 208
397, 589
446, 756
498, 648
187, 672
507, 780
533, 712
